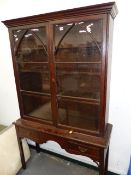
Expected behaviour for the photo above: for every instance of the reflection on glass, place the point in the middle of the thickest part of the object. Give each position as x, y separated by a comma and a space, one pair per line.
88, 28
18, 34
31, 45
34, 77
37, 106
77, 114
81, 41
79, 80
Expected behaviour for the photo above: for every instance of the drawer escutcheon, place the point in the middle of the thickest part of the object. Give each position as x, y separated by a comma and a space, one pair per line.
82, 149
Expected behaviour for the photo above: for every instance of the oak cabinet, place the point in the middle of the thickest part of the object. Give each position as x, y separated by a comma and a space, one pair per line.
62, 70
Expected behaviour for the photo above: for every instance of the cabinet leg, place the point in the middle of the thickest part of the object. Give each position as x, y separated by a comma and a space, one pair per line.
21, 153
102, 163
37, 148
103, 166
21, 149
106, 161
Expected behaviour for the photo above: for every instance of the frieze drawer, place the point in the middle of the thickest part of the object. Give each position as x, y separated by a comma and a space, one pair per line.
86, 150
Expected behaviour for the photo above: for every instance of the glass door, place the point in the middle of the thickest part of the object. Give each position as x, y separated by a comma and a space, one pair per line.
33, 71
78, 57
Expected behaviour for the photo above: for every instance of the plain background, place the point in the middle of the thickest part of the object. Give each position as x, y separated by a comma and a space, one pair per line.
120, 96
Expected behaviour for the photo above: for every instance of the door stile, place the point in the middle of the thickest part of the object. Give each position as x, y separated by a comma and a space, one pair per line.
52, 74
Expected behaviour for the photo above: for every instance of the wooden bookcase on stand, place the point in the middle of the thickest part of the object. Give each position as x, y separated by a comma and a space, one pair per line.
62, 70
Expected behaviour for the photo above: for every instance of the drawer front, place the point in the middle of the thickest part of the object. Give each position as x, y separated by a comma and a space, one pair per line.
84, 149
29, 133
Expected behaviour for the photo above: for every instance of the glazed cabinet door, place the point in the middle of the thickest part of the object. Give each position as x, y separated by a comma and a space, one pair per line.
78, 55
32, 71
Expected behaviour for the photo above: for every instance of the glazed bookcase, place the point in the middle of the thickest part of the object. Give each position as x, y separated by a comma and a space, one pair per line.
62, 70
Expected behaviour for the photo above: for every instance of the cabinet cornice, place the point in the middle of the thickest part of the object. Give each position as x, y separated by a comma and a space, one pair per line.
106, 8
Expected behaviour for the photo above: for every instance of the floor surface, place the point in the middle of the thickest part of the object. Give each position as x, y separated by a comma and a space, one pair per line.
47, 164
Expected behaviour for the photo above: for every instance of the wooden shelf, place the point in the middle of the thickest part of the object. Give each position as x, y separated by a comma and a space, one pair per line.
78, 62
35, 93
32, 62
79, 99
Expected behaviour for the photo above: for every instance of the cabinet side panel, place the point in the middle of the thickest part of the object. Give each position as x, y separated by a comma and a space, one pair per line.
109, 56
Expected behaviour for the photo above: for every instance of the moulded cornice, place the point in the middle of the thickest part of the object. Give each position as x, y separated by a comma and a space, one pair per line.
105, 8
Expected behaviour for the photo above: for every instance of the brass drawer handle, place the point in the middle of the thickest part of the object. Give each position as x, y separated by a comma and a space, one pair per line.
70, 132
83, 150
